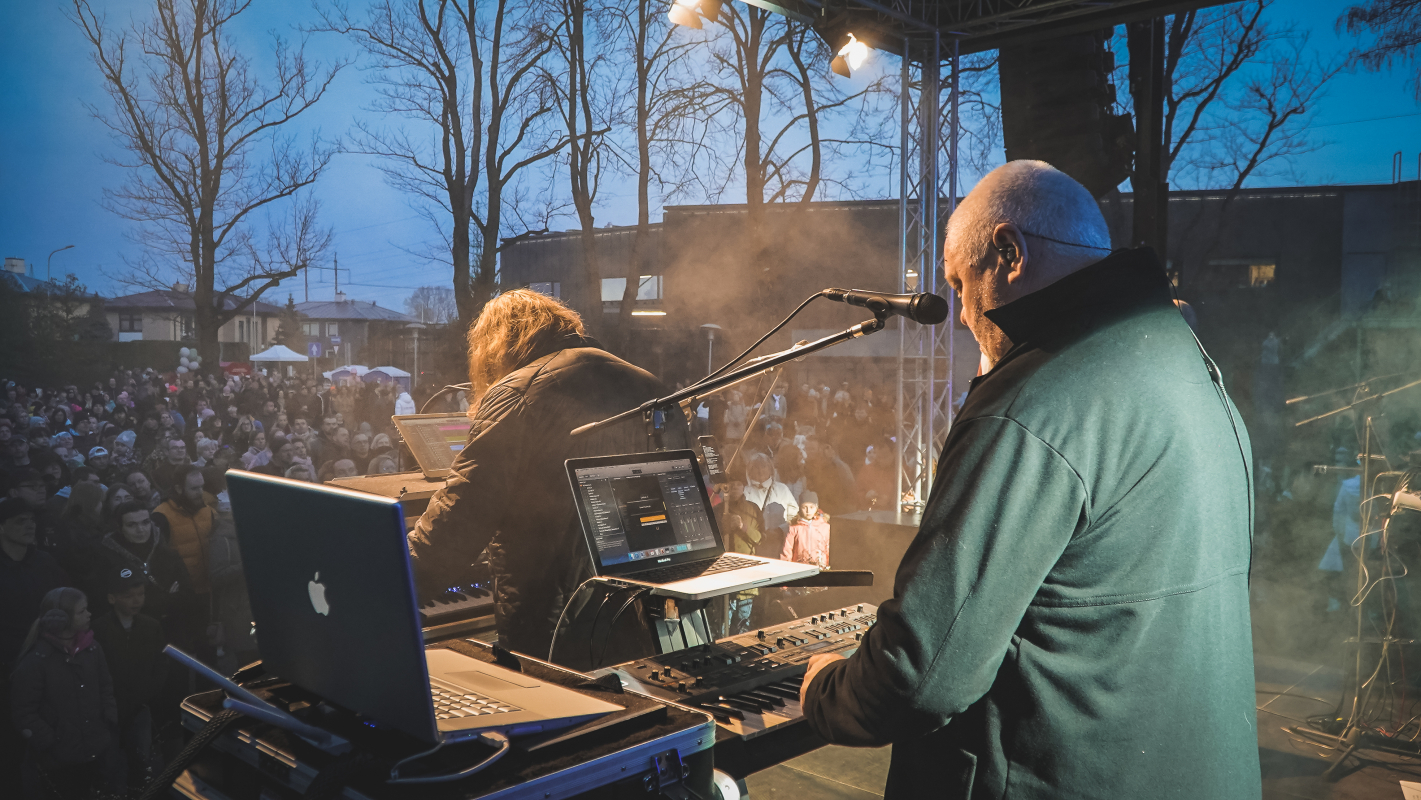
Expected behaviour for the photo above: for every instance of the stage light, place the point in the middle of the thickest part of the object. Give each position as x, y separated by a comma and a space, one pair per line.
710, 9
851, 56
648, 313
683, 12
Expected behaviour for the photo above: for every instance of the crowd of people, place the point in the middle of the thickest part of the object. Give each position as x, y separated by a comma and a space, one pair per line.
794, 460
116, 539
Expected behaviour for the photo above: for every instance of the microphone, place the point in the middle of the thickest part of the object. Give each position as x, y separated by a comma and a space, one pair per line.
924, 308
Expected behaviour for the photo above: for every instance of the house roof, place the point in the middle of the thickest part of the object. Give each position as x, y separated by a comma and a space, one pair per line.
26, 283
169, 300
350, 310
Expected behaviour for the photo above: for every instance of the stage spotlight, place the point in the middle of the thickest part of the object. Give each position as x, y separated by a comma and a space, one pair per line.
683, 12
710, 9
851, 56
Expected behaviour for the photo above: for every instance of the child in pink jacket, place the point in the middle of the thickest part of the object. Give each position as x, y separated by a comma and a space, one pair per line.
808, 539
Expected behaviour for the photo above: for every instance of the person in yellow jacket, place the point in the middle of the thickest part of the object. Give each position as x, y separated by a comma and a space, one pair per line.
189, 517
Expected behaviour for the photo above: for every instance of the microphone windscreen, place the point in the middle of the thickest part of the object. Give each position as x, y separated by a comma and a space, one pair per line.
929, 309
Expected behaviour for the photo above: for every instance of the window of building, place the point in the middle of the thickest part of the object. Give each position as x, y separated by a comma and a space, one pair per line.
1261, 274
130, 323
241, 330
332, 328
549, 288
311, 329
1236, 273
648, 289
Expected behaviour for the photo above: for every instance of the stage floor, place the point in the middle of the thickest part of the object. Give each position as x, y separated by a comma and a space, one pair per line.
1290, 769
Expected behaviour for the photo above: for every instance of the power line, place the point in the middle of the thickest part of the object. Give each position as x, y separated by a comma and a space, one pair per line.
378, 224
1370, 119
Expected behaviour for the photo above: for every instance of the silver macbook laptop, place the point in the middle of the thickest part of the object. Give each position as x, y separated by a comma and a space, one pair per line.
434, 440
333, 599
647, 520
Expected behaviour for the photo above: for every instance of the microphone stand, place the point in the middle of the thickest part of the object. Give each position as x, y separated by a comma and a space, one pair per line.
651, 408
1354, 732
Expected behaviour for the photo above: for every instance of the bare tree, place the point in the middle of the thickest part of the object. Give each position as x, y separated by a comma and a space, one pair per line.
432, 305
1397, 25
1239, 91
1202, 53
664, 112
467, 70
206, 151
1269, 118
584, 105
777, 94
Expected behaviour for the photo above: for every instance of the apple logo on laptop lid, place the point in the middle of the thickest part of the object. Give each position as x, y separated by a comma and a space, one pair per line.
317, 590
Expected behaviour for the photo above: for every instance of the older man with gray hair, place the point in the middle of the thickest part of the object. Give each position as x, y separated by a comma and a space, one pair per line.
1072, 619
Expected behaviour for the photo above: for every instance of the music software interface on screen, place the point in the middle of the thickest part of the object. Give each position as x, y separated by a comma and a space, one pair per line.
645, 511
442, 440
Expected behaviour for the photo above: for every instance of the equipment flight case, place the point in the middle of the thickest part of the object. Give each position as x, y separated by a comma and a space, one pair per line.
651, 749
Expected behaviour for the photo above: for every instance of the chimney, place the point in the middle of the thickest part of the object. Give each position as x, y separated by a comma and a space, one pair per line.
340, 297
15, 265
180, 288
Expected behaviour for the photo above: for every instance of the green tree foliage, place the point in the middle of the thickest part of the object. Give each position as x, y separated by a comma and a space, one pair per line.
288, 328
61, 320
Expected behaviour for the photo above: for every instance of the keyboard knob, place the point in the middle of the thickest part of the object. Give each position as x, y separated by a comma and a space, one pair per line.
681, 687
654, 675
858, 637
780, 642
760, 634
860, 608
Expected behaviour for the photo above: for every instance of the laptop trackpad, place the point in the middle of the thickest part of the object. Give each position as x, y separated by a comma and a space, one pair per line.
489, 684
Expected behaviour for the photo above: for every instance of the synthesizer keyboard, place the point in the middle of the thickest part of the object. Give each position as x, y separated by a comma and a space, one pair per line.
749, 683
458, 611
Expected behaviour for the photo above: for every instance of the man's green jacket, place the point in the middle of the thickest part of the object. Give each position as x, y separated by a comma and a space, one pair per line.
1072, 618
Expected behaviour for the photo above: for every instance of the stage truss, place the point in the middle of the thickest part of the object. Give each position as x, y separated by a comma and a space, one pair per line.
927, 196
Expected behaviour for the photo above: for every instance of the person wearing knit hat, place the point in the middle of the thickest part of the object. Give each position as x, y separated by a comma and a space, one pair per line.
133, 645
64, 704
808, 539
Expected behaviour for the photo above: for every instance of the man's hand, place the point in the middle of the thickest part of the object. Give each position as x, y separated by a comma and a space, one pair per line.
816, 664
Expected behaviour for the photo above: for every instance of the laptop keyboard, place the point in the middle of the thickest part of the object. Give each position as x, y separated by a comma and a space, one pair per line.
449, 704
695, 569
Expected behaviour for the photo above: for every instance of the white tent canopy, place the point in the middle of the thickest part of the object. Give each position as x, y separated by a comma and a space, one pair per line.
393, 372
354, 369
279, 353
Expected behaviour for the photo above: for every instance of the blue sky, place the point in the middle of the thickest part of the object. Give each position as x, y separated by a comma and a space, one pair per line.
52, 171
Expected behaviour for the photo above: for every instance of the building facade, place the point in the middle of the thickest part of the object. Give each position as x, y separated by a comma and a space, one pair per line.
355, 332
167, 316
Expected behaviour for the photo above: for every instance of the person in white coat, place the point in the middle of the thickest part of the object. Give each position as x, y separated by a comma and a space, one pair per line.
404, 404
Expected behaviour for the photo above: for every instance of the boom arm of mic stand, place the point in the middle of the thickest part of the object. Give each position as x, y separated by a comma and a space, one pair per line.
769, 362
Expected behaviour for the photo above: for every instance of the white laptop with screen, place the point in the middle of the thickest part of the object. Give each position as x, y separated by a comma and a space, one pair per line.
647, 520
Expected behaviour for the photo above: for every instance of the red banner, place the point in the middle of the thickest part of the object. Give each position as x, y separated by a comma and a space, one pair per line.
233, 369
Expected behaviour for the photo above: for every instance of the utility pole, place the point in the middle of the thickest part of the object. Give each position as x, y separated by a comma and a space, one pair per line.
1150, 184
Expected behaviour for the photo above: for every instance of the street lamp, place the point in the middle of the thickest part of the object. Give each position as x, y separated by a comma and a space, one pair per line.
710, 329
51, 255
415, 328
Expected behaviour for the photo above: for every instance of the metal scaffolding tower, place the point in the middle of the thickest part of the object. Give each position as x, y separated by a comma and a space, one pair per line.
927, 196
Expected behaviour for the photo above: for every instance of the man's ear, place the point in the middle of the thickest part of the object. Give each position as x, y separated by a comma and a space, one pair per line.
1010, 245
